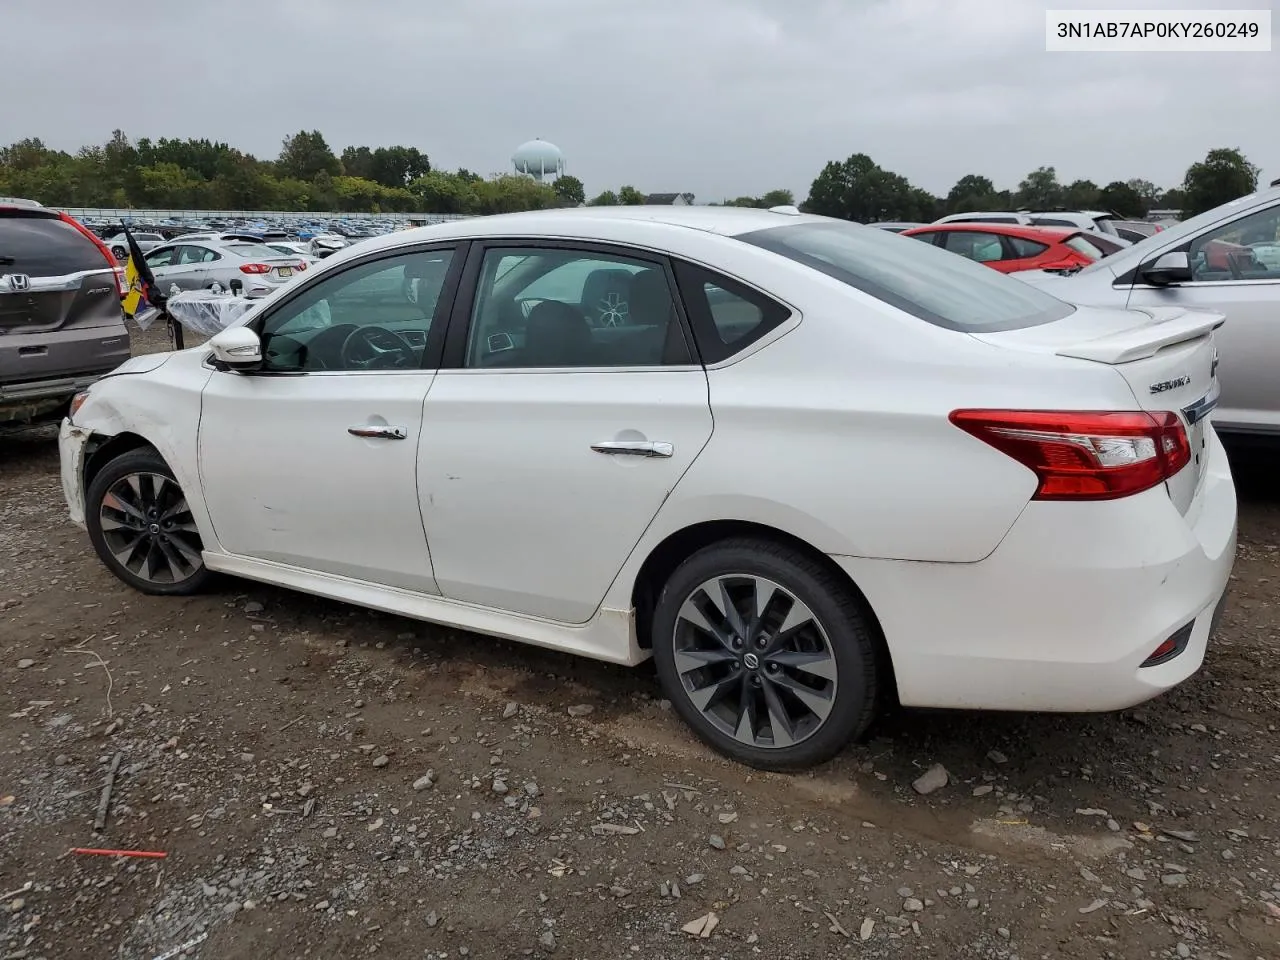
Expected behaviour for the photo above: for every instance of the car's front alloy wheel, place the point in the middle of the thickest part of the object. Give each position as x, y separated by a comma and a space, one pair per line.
765, 653
141, 525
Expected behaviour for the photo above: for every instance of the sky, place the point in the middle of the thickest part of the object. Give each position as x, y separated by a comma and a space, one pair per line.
716, 97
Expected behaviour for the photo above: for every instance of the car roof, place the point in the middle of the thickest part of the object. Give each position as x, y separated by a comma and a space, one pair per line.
1011, 229
585, 223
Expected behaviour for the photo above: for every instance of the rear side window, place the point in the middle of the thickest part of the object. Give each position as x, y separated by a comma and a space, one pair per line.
726, 316
927, 282
43, 246
1081, 244
1052, 222
1027, 248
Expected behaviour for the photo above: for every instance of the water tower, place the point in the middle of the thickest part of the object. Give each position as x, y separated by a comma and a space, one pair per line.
538, 159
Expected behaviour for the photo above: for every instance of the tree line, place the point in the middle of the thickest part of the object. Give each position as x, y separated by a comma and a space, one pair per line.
859, 189
309, 176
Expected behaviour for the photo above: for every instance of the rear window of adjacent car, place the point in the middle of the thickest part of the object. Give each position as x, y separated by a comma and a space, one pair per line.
44, 246
927, 282
1027, 248
1082, 244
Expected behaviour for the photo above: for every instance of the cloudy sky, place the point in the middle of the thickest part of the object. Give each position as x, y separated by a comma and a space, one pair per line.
717, 97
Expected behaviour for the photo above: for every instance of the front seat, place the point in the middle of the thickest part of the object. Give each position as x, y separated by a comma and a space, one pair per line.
557, 335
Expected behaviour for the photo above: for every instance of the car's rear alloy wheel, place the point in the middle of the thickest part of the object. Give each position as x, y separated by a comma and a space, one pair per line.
142, 528
765, 653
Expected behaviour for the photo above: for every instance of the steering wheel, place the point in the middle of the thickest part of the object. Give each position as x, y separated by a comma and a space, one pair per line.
377, 348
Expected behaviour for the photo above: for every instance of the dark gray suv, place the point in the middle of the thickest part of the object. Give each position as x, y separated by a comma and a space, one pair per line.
61, 325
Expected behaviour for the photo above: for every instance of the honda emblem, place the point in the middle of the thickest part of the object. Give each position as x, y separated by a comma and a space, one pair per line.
19, 282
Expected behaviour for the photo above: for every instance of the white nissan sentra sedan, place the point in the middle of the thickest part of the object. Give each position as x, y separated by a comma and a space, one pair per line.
806, 465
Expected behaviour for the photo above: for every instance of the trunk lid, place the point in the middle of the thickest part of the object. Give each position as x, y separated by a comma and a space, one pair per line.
1166, 355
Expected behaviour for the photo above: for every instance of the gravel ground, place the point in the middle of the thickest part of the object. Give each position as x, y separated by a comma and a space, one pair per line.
331, 782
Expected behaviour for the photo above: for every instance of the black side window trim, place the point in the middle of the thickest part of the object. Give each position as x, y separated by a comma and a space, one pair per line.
431, 353
454, 355
691, 279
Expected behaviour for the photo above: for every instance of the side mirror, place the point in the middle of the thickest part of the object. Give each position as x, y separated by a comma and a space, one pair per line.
1172, 267
236, 348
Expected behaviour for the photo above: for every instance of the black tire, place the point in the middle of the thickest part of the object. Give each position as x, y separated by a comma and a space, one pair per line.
839, 620
120, 253
166, 539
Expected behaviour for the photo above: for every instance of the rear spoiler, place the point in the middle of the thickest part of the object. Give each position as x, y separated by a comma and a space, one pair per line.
1170, 325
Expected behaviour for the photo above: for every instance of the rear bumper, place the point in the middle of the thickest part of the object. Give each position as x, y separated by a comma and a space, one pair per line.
22, 402
1065, 611
40, 371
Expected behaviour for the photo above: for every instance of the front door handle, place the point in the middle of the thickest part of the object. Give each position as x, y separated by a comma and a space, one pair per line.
634, 448
374, 432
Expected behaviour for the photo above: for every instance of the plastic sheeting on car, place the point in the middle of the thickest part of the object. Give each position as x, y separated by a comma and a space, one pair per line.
205, 312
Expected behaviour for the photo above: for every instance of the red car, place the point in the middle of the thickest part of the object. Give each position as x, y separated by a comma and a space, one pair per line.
1009, 247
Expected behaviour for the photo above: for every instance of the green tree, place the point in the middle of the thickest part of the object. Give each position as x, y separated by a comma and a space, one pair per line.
1081, 195
606, 198
440, 192
511, 193
857, 189
570, 190
1040, 190
397, 166
971, 192
357, 162
629, 196
1121, 198
1149, 193
778, 198
306, 155
1173, 199
1224, 174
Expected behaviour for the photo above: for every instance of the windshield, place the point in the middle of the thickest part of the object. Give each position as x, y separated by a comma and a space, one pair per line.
1157, 241
927, 282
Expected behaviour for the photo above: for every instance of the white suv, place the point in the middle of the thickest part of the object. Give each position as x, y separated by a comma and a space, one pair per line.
1081, 220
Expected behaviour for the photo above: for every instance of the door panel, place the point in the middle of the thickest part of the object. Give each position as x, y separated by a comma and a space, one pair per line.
522, 514
286, 480
1237, 273
1247, 370
316, 467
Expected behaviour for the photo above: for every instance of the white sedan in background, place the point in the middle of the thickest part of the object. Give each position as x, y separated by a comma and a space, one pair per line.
804, 464
253, 269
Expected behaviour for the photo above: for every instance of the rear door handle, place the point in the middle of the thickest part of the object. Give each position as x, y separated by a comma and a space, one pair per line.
634, 448
373, 432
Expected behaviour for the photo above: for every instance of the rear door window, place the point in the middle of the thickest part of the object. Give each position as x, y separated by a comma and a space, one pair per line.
45, 246
1027, 248
975, 245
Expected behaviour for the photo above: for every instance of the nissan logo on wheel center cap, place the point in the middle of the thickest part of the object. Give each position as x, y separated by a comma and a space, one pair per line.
751, 661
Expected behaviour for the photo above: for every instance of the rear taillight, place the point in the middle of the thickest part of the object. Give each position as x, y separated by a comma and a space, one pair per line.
116, 269
255, 268
1085, 455
302, 266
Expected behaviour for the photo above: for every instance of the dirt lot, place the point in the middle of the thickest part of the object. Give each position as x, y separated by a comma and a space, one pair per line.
329, 782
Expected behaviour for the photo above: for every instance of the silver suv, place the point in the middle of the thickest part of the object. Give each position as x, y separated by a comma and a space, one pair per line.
1226, 260
61, 325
